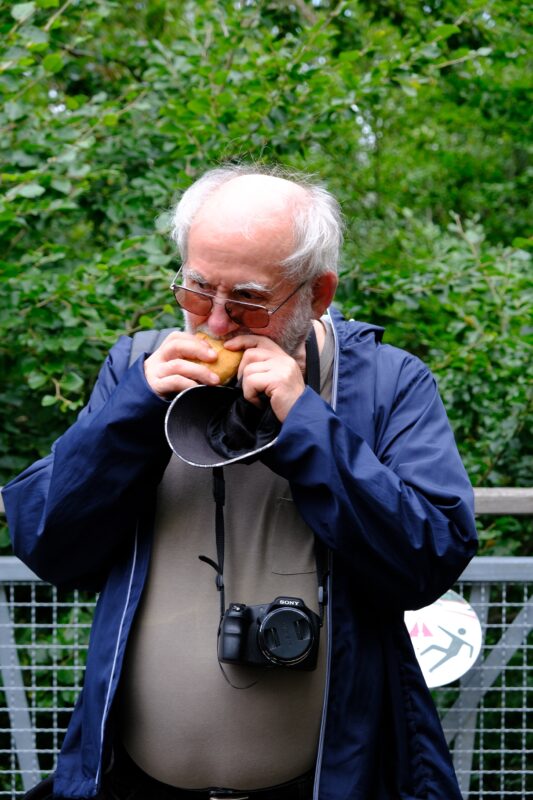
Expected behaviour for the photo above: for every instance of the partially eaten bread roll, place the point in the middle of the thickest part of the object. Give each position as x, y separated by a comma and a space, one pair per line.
227, 363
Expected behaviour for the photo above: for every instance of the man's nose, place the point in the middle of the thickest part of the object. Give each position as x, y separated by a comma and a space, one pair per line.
218, 321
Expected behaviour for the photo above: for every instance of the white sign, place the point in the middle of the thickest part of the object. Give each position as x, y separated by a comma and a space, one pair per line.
447, 638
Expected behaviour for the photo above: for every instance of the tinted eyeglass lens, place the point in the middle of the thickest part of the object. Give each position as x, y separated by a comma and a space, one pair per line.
251, 317
190, 301
199, 304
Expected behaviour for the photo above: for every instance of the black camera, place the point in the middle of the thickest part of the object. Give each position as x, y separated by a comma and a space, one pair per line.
284, 633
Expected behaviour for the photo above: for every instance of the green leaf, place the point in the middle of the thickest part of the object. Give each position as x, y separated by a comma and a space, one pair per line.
34, 38
72, 343
22, 11
36, 380
31, 190
14, 110
53, 63
443, 32
350, 55
111, 120
72, 382
163, 222
198, 107
62, 185
522, 243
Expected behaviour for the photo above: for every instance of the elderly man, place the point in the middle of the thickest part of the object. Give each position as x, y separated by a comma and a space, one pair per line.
357, 510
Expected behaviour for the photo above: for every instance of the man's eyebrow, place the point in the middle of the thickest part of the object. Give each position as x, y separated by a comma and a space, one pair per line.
246, 286
252, 286
193, 275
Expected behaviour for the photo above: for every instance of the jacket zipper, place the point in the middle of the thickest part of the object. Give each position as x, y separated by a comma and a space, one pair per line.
320, 751
107, 703
329, 645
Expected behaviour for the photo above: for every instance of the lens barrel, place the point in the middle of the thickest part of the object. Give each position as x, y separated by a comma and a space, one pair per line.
285, 636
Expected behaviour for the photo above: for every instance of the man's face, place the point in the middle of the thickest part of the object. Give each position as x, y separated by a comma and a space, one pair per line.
232, 265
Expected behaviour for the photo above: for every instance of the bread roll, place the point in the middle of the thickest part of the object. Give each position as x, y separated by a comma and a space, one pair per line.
227, 363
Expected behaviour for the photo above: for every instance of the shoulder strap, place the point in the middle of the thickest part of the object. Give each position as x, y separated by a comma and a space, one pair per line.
147, 342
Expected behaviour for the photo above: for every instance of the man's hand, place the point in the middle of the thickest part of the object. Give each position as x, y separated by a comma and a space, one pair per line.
267, 369
169, 371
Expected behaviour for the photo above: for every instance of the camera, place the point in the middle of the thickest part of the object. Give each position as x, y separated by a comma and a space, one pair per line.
284, 633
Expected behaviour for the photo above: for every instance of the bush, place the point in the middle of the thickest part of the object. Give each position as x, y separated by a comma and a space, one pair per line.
414, 115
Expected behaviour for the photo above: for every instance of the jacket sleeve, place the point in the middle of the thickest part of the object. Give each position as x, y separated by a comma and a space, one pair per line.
70, 512
399, 515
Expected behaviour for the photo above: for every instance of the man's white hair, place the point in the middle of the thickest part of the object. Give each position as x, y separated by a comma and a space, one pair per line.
317, 224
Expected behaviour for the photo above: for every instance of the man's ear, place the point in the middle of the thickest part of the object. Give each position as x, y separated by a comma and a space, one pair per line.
324, 288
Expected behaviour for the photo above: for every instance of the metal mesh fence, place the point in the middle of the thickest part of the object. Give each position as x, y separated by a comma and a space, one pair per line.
487, 715
43, 641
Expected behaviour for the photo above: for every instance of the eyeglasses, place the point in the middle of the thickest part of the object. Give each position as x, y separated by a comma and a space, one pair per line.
250, 315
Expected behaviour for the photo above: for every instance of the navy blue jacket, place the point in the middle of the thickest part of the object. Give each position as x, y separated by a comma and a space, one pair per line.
376, 475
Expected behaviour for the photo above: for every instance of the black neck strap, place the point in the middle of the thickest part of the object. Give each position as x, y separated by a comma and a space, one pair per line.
219, 496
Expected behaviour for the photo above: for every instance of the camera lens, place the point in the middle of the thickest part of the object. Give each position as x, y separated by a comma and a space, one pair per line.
285, 636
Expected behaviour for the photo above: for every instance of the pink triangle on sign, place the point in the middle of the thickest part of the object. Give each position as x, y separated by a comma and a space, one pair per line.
426, 631
414, 631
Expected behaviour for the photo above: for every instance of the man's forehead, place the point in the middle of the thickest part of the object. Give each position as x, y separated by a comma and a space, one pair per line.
259, 247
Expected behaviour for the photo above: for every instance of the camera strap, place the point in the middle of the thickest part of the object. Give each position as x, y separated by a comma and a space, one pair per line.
219, 496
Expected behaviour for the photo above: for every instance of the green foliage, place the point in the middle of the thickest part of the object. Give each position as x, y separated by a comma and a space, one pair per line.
415, 115
463, 306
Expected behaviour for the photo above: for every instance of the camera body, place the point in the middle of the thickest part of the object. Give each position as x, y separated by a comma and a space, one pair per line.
284, 633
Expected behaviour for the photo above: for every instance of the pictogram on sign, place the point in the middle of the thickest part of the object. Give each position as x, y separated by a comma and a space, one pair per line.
447, 638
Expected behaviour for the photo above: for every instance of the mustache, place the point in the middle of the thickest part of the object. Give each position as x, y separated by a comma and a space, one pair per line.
242, 331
